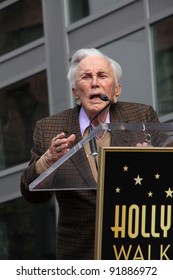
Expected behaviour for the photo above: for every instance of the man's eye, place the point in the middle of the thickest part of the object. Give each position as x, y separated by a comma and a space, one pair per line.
86, 77
102, 75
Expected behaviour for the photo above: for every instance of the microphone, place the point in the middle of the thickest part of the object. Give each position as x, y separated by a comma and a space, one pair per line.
92, 142
105, 98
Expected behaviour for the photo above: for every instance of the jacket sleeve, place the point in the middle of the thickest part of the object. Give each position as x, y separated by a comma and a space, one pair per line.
30, 174
159, 138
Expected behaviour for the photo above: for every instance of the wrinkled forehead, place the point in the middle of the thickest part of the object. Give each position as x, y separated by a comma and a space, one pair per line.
94, 64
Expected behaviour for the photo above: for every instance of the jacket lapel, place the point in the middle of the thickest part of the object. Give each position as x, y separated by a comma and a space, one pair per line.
119, 138
79, 159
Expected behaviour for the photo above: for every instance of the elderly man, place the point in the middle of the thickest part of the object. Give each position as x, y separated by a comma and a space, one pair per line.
91, 76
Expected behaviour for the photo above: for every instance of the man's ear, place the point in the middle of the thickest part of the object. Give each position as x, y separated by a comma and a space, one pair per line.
75, 93
117, 93
76, 96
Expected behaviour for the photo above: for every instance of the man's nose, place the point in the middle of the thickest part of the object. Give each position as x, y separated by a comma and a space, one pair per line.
94, 80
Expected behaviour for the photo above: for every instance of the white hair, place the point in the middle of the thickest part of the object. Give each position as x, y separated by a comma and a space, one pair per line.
81, 54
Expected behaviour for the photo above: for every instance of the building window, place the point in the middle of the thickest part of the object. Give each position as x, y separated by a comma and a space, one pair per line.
131, 52
163, 57
80, 9
27, 231
79, 13
20, 24
21, 105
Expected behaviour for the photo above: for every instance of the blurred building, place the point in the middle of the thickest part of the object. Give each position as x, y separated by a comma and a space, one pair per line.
37, 40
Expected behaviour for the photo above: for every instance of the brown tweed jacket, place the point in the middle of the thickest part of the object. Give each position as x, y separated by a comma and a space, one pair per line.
76, 227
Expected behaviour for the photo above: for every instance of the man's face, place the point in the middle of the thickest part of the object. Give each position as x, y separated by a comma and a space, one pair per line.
95, 77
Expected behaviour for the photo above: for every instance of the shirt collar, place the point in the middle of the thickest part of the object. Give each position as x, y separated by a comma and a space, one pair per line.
84, 120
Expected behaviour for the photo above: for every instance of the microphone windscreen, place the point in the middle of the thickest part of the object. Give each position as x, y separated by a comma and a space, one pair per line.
104, 97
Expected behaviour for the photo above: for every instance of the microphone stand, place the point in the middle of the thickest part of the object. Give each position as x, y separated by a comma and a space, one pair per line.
93, 146
92, 142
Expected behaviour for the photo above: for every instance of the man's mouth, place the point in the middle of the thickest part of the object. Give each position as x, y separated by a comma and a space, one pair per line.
93, 96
